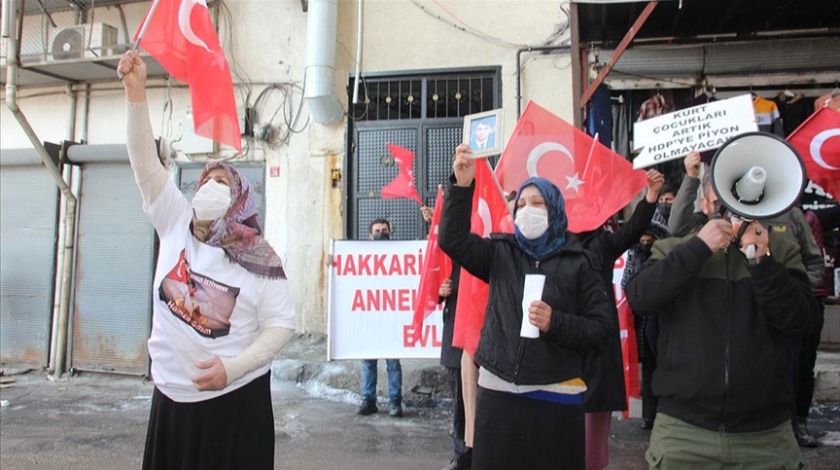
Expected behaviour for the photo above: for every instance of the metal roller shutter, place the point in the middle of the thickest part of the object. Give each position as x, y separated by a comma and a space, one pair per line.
114, 266
28, 232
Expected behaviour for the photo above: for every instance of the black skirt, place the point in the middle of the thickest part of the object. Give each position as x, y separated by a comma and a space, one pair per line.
232, 431
512, 431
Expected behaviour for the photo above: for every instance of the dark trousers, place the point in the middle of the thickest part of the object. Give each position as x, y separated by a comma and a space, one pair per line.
513, 432
453, 379
803, 370
649, 400
647, 332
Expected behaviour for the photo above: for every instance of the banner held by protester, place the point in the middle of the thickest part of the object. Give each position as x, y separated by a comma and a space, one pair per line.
698, 128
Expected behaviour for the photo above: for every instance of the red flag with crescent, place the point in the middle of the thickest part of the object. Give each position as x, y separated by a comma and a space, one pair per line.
437, 267
403, 185
596, 182
490, 213
818, 141
181, 36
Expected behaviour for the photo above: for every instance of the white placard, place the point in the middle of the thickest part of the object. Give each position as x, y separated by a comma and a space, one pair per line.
372, 293
534, 284
699, 128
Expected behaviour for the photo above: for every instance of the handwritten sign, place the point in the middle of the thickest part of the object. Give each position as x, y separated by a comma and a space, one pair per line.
699, 128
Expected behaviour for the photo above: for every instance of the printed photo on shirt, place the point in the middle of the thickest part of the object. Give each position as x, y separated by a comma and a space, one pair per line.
199, 301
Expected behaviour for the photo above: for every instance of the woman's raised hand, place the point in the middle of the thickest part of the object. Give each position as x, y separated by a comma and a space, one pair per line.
133, 71
463, 166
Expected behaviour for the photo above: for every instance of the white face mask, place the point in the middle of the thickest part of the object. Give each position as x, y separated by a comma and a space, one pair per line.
532, 221
211, 201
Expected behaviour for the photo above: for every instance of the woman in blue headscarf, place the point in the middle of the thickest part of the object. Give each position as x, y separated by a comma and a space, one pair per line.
529, 412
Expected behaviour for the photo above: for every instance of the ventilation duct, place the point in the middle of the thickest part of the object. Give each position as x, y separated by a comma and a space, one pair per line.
319, 84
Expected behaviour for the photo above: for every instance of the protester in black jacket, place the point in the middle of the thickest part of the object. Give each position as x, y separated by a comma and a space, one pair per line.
529, 412
727, 329
603, 369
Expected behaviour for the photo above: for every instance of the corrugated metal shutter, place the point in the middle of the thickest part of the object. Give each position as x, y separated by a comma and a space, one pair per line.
751, 58
28, 217
114, 266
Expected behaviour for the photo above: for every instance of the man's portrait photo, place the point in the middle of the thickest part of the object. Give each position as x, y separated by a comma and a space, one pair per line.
481, 130
483, 135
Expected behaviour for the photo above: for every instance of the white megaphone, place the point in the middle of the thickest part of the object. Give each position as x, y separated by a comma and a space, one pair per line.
757, 175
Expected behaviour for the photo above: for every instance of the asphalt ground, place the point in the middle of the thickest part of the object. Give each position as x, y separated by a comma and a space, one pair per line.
97, 421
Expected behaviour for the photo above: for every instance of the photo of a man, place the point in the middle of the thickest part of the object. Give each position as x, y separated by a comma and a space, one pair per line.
483, 134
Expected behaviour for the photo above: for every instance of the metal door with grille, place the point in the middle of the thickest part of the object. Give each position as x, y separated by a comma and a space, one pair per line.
114, 266
28, 215
423, 113
375, 167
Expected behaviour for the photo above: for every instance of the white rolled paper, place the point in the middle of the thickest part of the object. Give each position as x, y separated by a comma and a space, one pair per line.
534, 284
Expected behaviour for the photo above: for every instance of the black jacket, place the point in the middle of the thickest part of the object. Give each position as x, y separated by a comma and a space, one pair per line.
726, 331
573, 288
603, 369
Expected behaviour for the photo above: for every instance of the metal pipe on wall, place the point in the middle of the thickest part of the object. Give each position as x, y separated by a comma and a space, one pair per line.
319, 75
70, 207
358, 54
71, 177
519, 70
7, 19
59, 271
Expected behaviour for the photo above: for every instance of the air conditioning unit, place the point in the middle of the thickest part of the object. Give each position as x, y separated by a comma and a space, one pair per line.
86, 41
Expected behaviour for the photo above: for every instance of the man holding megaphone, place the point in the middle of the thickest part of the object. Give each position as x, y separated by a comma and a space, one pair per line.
781, 186
731, 300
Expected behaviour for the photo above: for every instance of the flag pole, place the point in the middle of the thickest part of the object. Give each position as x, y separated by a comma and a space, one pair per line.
143, 29
591, 151
498, 186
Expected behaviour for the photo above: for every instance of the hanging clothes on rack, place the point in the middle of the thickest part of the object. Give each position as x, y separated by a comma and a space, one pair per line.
656, 105
831, 100
621, 133
767, 116
599, 117
793, 109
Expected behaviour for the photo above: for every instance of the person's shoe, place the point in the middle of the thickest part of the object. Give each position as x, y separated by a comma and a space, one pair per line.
395, 410
368, 407
463, 462
803, 436
647, 424
456, 465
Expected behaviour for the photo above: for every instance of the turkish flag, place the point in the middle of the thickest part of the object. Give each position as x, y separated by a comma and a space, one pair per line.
403, 185
181, 36
818, 141
595, 181
437, 267
490, 213
629, 353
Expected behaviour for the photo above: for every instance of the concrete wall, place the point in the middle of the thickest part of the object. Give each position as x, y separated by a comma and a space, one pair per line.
265, 44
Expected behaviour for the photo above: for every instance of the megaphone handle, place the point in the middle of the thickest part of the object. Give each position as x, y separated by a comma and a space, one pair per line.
750, 250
